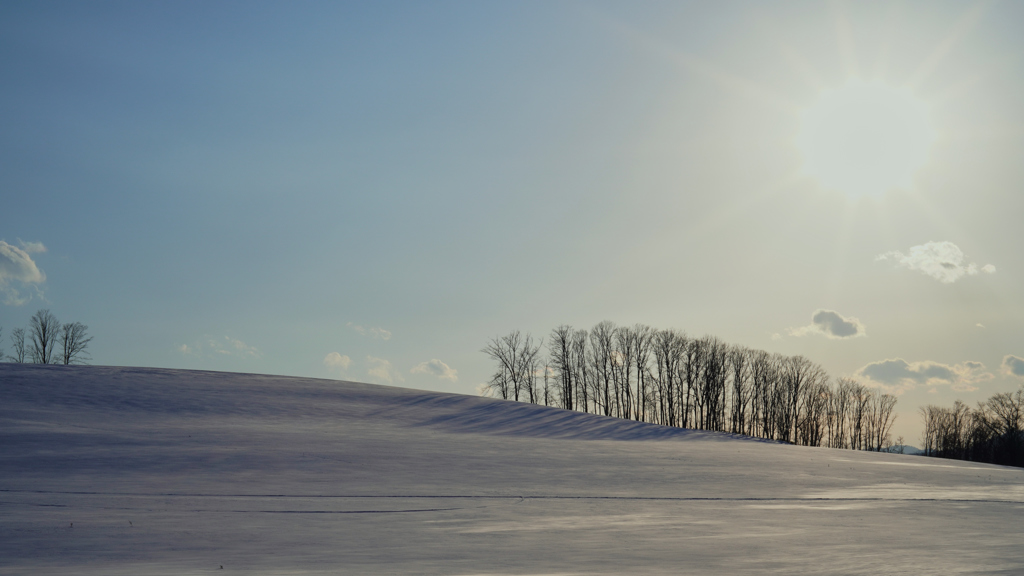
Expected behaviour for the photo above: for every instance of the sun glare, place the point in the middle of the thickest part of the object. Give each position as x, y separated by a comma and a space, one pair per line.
865, 138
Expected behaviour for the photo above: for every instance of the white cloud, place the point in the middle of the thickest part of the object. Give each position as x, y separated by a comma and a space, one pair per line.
1013, 366
211, 347
831, 324
437, 368
943, 261
375, 333
31, 247
236, 347
382, 371
897, 375
335, 361
17, 269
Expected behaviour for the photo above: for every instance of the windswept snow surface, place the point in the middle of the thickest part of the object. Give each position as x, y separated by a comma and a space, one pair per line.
148, 471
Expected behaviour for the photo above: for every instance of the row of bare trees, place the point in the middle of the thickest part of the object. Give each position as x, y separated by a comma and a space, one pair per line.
993, 432
47, 341
667, 377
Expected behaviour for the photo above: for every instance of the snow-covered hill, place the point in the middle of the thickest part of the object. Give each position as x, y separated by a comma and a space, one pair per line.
150, 471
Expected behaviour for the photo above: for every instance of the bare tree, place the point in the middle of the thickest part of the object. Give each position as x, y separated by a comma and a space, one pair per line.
812, 417
958, 430
797, 373
560, 352
500, 384
601, 358
641, 341
517, 366
547, 386
713, 384
900, 446
582, 376
1007, 411
690, 368
668, 349
44, 331
531, 368
931, 415
764, 371
18, 341
881, 420
738, 362
860, 402
839, 408
74, 341
623, 371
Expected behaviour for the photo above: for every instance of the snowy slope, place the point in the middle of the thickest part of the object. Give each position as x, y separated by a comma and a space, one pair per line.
150, 471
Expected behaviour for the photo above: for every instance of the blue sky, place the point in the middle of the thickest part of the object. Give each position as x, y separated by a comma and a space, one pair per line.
256, 186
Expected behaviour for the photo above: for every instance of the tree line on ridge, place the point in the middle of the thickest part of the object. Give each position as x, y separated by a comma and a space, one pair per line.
993, 432
667, 377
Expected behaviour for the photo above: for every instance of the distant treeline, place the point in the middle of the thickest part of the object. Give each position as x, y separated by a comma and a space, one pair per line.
990, 433
47, 341
666, 377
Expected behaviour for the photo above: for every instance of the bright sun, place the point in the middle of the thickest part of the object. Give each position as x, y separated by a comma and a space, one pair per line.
865, 138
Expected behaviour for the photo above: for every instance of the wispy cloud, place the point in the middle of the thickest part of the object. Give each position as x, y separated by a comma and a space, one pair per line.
375, 333
897, 375
437, 368
336, 361
381, 371
943, 261
19, 270
1013, 366
831, 324
212, 347
31, 247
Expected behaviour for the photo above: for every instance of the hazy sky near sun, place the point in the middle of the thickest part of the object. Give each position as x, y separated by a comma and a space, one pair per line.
370, 191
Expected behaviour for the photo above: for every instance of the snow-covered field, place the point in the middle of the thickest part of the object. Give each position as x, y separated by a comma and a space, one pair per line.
151, 471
